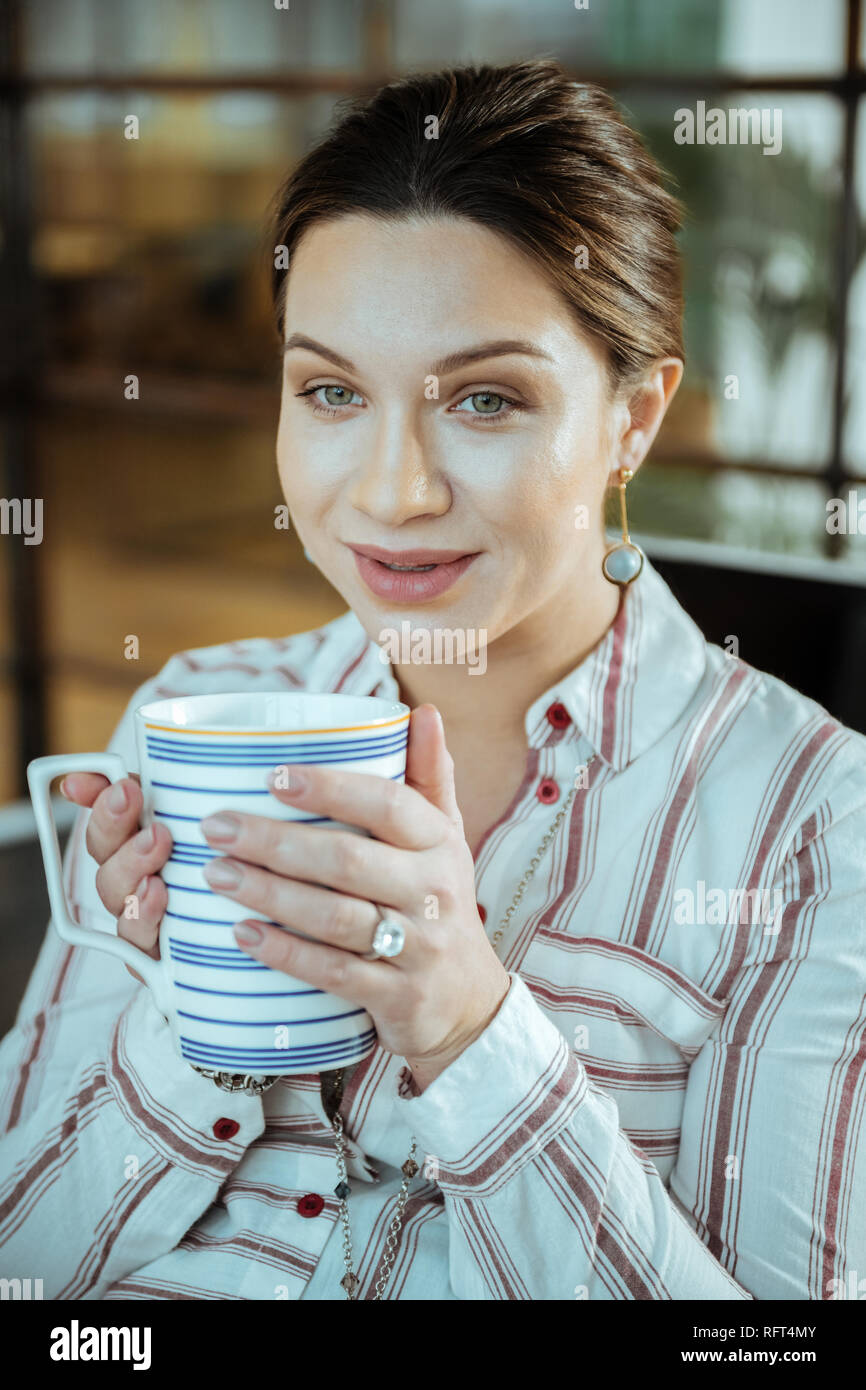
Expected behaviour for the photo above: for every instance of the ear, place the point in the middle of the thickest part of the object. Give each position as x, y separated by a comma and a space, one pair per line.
644, 411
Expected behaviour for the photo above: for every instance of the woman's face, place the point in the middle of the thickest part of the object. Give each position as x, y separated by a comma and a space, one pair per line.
400, 449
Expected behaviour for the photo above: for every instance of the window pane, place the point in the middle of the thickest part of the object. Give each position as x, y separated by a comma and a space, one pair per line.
854, 436
754, 511
9, 751
207, 36
760, 263
855, 515
152, 250
164, 531
748, 36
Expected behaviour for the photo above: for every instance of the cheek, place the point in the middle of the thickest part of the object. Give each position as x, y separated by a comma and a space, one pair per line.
543, 509
303, 483
534, 497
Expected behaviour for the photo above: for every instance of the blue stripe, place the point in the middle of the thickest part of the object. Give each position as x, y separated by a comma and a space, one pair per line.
181, 737
320, 1052
157, 746
275, 755
213, 957
338, 758
294, 820
245, 994
268, 1022
210, 921
212, 950
215, 965
208, 791
231, 791
184, 741
270, 1051
215, 962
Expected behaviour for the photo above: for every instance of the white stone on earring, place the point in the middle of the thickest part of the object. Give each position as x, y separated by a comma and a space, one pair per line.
623, 563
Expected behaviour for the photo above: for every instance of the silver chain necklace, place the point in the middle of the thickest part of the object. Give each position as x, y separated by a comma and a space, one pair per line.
350, 1281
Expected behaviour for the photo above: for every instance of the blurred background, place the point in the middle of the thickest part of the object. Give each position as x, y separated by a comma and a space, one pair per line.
148, 256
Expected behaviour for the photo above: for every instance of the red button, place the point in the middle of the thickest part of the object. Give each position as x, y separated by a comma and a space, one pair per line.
482, 912
558, 716
547, 790
310, 1205
226, 1129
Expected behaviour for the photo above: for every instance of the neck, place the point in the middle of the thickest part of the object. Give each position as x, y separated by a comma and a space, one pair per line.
521, 664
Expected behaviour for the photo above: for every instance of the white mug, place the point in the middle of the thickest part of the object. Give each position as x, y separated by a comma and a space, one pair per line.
200, 754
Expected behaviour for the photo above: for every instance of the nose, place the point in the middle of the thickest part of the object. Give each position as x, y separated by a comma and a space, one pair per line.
397, 479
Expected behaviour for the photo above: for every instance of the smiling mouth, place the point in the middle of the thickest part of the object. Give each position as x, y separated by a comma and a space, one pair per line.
411, 576
408, 569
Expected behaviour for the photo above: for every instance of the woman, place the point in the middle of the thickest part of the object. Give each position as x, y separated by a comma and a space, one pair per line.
621, 1049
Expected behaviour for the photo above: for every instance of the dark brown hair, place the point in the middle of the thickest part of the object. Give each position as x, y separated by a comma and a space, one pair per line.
546, 162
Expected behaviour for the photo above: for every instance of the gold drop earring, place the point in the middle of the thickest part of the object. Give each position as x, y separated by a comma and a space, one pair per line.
623, 562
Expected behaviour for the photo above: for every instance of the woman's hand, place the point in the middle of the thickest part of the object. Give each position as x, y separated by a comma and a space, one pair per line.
435, 998
129, 859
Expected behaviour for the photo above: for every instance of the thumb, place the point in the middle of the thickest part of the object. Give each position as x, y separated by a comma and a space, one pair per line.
429, 765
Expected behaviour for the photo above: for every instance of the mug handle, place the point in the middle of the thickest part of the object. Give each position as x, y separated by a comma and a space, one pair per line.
40, 773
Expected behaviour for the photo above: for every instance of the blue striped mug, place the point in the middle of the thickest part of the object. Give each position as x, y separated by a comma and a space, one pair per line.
197, 755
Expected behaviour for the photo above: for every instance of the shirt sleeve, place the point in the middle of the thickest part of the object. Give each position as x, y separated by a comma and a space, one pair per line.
547, 1197
108, 1151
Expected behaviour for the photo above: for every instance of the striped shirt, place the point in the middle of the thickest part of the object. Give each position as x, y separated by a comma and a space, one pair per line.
668, 1105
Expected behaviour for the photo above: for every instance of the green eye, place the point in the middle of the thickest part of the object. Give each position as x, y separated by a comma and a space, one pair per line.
487, 402
490, 405
340, 395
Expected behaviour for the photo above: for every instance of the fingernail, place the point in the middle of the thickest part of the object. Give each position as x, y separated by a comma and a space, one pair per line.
247, 934
117, 799
141, 890
222, 873
223, 827
288, 779
62, 788
145, 839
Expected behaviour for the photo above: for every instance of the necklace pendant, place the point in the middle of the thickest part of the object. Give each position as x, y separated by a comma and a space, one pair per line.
410, 1168
342, 1191
350, 1283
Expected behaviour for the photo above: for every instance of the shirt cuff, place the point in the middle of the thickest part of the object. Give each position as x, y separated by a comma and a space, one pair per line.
179, 1112
500, 1103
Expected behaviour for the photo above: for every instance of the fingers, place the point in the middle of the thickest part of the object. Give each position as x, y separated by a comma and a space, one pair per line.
429, 765
348, 923
122, 873
330, 969
84, 787
149, 900
114, 815
354, 864
129, 859
392, 811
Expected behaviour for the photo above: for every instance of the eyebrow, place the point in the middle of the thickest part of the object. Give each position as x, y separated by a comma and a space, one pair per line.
501, 347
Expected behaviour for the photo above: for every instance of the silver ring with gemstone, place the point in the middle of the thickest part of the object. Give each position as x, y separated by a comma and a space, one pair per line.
389, 938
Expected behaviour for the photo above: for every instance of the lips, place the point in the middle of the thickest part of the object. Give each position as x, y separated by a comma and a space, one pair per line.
410, 585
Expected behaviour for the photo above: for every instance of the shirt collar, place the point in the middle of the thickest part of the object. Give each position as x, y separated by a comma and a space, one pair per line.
637, 681
622, 697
